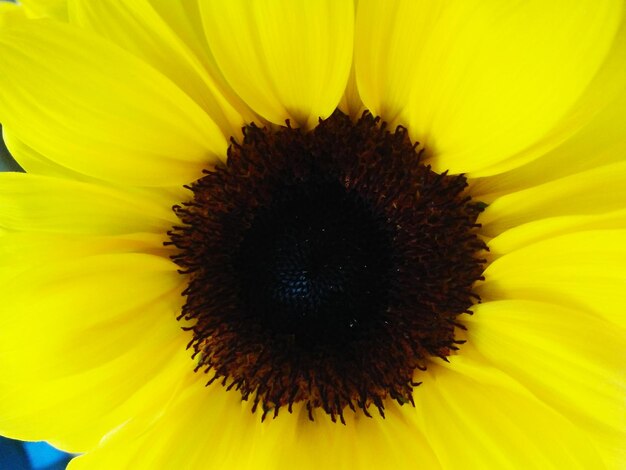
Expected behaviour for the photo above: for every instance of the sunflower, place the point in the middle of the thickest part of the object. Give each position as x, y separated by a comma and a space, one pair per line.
315, 234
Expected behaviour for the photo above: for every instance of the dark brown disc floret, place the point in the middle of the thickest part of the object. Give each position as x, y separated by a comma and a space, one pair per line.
325, 267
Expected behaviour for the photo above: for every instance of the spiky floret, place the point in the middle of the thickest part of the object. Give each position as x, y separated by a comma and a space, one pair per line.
325, 267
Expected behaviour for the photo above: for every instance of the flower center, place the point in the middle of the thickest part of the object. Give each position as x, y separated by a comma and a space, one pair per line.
314, 265
325, 267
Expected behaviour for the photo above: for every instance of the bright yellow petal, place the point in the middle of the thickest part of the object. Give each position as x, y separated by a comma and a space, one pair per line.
184, 18
595, 191
138, 28
56, 9
535, 231
69, 307
572, 361
606, 89
584, 271
363, 443
34, 162
480, 82
457, 415
351, 103
100, 111
192, 433
287, 60
89, 343
8, 12
475, 416
40, 203
599, 143
21, 251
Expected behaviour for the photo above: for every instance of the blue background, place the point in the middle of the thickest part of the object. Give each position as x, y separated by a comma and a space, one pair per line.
17, 455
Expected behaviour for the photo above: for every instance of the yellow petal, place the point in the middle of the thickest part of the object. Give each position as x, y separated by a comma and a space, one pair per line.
595, 191
600, 142
475, 416
351, 103
192, 433
137, 27
21, 251
40, 203
184, 18
67, 305
572, 361
584, 271
90, 342
100, 111
34, 162
535, 231
287, 60
363, 443
8, 12
56, 9
481, 82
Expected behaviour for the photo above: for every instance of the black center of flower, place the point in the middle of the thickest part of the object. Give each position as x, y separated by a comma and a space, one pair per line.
324, 268
314, 264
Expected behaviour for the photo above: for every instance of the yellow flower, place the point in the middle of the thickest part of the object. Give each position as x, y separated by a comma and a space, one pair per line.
113, 107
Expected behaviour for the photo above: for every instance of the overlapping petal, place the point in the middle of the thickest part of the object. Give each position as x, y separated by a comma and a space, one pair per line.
563, 364
247, 443
40, 203
476, 416
287, 60
584, 271
34, 162
137, 27
598, 143
56, 9
483, 84
91, 346
90, 106
542, 229
594, 191
185, 19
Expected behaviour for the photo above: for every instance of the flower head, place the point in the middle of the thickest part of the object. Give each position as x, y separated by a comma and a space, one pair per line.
316, 234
